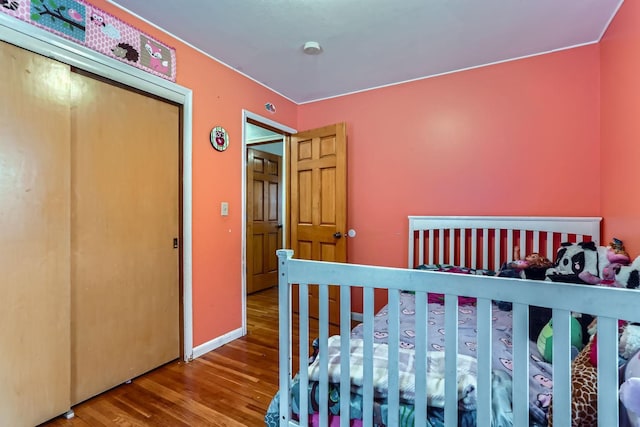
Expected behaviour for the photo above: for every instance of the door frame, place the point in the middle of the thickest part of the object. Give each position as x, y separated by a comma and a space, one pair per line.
285, 159
37, 40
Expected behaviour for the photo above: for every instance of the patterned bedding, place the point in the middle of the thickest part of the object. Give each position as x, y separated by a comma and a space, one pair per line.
540, 372
466, 367
540, 382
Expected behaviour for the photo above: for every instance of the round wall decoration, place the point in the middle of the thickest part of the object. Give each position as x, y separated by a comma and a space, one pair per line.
219, 138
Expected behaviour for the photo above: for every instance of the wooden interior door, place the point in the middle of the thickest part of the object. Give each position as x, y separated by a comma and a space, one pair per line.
319, 203
125, 216
34, 237
264, 218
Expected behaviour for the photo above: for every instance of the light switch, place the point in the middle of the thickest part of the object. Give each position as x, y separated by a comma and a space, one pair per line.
224, 208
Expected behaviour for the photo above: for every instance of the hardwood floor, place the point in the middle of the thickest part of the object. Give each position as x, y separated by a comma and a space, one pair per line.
231, 386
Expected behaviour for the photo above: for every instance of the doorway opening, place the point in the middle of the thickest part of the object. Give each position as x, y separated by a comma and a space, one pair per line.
264, 208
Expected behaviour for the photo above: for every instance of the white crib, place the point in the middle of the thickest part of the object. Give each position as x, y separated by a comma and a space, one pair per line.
473, 242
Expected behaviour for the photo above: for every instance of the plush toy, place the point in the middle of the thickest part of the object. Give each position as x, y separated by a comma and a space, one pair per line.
537, 260
584, 391
609, 275
630, 390
545, 339
578, 263
532, 260
630, 398
533, 266
628, 276
617, 253
519, 264
629, 342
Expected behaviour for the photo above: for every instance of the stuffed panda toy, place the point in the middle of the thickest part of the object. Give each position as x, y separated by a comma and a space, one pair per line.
578, 263
628, 276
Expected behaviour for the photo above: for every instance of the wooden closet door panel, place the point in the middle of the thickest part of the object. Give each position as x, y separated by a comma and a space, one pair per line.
34, 237
125, 204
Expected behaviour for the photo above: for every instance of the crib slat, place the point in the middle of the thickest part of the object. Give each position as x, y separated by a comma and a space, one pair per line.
509, 256
496, 251
367, 395
520, 362
474, 248
285, 338
323, 294
431, 246
484, 362
550, 253
561, 367
420, 250
412, 246
345, 352
485, 248
607, 372
393, 394
303, 350
451, 360
463, 247
522, 243
536, 244
421, 359
441, 246
452, 246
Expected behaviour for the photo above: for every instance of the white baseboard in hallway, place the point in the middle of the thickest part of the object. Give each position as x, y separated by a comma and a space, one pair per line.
216, 342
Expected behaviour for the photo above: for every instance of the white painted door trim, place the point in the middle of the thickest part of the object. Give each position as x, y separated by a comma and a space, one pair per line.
28, 37
249, 115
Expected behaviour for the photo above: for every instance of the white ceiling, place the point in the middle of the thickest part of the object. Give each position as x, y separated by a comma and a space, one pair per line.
371, 43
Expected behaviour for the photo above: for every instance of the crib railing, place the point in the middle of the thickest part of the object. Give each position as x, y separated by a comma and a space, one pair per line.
485, 241
608, 304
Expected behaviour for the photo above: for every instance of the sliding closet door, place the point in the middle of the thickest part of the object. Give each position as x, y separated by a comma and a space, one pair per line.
124, 217
34, 238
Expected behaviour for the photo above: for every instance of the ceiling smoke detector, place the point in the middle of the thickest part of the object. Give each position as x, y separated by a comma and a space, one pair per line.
312, 48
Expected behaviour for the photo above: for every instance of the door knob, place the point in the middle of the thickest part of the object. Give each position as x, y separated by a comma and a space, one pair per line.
337, 235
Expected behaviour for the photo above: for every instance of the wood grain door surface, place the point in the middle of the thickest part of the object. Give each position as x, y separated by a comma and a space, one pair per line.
264, 218
34, 237
89, 208
318, 185
124, 217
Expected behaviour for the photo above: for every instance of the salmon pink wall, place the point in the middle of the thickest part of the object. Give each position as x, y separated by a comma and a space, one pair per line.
517, 138
219, 95
620, 111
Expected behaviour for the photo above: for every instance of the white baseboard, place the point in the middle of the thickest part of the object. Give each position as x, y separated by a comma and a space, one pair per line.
356, 317
216, 342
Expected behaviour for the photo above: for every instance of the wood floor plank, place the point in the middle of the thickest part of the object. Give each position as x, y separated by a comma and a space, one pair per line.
231, 386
